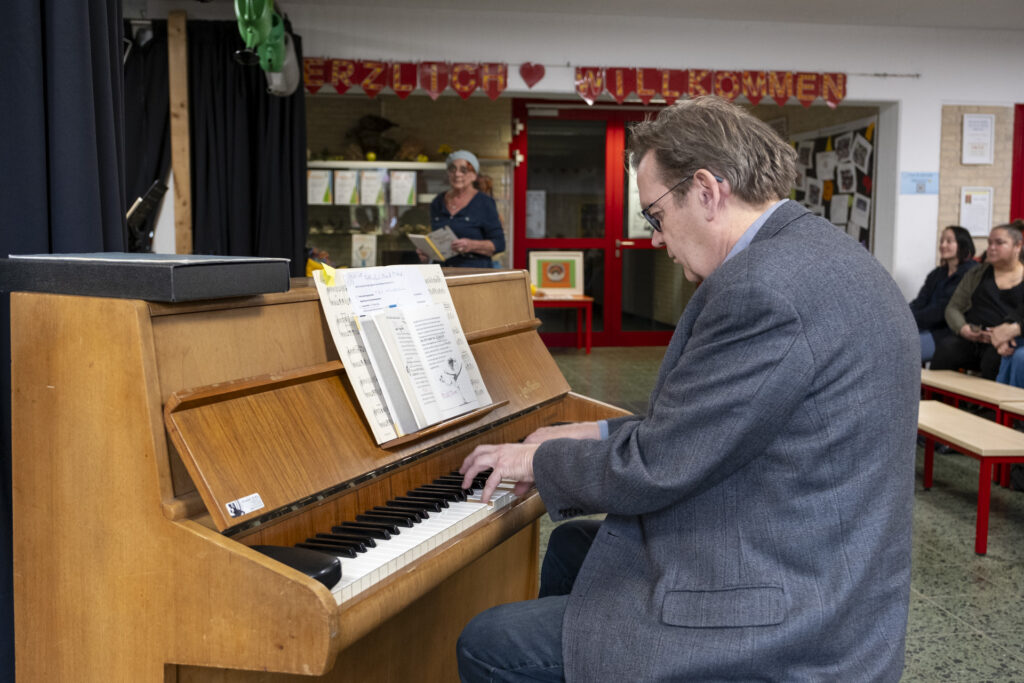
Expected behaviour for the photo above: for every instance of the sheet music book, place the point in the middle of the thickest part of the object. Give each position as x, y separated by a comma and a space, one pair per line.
437, 244
402, 345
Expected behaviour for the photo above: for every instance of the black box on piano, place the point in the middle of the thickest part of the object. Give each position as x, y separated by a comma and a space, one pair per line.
153, 277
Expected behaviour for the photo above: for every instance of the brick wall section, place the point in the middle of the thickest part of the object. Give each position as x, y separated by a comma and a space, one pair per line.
953, 175
478, 124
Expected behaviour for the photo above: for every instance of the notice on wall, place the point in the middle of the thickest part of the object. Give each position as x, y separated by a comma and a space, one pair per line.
371, 187
979, 139
919, 183
318, 187
364, 251
346, 187
976, 210
403, 188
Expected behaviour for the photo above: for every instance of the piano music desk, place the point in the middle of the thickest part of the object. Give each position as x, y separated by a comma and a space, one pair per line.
121, 572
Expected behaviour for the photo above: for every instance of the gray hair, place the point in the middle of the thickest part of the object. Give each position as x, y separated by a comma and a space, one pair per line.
711, 133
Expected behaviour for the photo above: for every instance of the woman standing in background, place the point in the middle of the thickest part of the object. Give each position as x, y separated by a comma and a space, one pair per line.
472, 215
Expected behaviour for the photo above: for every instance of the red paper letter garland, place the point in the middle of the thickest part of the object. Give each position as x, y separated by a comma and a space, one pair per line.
494, 78
465, 78
313, 70
590, 82
343, 72
373, 76
434, 77
403, 78
621, 82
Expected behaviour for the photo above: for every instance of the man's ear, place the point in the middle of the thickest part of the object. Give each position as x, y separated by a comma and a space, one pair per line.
711, 192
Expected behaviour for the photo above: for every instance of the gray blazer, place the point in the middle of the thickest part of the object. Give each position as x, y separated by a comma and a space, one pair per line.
759, 515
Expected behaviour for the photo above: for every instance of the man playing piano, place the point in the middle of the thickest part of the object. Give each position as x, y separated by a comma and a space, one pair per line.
758, 516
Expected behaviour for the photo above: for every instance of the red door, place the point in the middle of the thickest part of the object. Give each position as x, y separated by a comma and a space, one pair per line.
573, 193
1017, 177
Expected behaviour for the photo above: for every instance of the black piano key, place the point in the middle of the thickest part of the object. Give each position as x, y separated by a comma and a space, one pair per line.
354, 535
326, 548
358, 544
438, 500
421, 503
384, 519
385, 525
408, 515
453, 493
479, 480
446, 493
451, 485
413, 512
372, 530
354, 547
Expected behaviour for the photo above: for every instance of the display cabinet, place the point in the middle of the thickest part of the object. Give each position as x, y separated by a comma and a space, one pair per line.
361, 211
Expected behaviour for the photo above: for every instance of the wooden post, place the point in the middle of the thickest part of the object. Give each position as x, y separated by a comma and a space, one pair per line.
177, 68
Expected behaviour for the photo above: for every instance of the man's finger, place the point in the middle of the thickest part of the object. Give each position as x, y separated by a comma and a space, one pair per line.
490, 486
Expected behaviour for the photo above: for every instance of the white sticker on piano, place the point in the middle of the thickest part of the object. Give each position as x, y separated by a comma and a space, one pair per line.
244, 506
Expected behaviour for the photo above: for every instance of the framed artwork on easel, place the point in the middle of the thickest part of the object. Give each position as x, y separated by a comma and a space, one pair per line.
557, 273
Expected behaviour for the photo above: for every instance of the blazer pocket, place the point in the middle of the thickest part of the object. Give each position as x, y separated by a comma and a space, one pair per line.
725, 608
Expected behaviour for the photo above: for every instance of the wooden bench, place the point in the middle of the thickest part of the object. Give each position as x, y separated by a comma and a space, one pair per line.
987, 442
961, 387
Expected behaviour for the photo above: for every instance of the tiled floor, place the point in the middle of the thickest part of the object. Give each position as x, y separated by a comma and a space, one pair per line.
966, 612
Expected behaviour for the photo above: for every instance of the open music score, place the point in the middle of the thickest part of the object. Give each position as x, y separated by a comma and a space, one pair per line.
403, 347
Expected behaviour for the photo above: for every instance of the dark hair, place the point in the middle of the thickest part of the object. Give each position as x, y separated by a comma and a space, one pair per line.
711, 133
964, 242
1016, 232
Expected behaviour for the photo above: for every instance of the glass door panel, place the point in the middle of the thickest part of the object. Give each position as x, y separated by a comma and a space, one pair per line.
654, 291
565, 179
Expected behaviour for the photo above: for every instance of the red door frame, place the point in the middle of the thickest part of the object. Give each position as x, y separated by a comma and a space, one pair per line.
1017, 177
615, 138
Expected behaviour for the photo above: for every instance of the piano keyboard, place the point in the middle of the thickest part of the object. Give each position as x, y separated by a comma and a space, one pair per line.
381, 541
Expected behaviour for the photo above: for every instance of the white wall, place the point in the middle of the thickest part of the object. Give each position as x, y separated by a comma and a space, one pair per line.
950, 66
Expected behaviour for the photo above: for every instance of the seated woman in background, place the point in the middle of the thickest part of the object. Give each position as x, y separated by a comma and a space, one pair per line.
956, 257
984, 299
472, 215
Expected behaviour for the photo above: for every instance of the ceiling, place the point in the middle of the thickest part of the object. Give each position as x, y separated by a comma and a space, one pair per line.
972, 14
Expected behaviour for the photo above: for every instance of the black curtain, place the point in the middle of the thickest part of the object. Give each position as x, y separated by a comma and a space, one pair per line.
248, 152
147, 132
61, 178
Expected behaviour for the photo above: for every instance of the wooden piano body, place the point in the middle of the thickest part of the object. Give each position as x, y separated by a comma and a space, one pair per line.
122, 573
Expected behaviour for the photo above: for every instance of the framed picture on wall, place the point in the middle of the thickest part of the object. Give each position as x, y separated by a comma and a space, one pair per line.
557, 273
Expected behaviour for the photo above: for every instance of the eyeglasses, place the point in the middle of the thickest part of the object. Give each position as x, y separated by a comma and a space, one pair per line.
646, 212
460, 169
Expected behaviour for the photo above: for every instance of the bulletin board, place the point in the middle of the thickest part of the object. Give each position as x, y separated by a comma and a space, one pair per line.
835, 176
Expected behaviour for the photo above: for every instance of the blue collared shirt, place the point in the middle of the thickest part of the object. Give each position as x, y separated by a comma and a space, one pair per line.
748, 236
745, 239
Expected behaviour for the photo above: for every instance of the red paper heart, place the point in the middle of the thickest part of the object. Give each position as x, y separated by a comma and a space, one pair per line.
531, 73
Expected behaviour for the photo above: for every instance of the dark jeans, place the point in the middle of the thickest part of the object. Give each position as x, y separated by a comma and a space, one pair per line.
953, 353
522, 641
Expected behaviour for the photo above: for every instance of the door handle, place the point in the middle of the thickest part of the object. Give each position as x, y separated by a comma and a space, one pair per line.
624, 243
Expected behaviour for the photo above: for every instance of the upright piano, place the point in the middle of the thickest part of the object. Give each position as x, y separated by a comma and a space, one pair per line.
135, 424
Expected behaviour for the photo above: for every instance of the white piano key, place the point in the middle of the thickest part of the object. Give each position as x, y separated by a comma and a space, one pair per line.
389, 556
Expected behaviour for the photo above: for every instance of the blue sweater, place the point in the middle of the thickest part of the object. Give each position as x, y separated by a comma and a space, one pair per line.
478, 220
